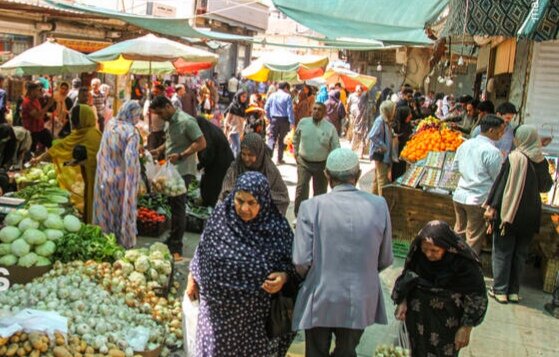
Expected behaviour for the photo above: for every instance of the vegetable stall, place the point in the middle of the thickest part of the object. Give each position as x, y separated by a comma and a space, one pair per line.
90, 296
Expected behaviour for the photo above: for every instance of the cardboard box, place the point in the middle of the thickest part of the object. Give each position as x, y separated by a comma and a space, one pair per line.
23, 275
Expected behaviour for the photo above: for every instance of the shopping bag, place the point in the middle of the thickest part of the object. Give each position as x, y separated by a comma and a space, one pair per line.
189, 322
396, 342
168, 181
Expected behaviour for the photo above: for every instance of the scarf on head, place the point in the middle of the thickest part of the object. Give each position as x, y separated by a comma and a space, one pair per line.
255, 144
237, 107
458, 271
528, 148
235, 257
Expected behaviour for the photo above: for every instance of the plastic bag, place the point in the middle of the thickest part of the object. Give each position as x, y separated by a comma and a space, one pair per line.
189, 322
33, 320
168, 181
397, 342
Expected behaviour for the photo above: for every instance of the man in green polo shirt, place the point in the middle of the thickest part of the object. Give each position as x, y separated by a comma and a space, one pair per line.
183, 140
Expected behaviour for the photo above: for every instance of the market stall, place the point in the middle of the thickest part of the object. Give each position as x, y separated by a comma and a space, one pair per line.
424, 193
72, 289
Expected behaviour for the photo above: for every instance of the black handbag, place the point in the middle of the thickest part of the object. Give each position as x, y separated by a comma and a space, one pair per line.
378, 156
281, 315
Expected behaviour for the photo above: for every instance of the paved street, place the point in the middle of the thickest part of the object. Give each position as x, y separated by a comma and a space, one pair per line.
508, 330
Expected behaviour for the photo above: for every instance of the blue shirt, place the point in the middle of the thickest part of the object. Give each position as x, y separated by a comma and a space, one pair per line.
280, 104
2, 101
506, 143
381, 138
479, 163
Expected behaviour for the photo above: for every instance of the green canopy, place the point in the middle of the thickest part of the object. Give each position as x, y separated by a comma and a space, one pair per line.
382, 20
48, 58
178, 27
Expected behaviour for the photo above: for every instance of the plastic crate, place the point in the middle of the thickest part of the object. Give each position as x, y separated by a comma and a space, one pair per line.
153, 230
550, 268
195, 224
400, 248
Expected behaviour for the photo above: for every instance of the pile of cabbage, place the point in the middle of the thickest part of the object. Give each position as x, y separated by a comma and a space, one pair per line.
45, 173
30, 236
151, 266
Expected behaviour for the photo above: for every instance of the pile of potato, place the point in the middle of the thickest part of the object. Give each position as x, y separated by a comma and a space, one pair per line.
36, 344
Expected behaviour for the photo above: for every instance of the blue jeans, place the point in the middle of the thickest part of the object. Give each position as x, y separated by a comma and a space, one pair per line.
509, 258
235, 143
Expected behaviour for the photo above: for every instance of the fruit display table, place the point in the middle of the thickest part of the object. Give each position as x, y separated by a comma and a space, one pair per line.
411, 209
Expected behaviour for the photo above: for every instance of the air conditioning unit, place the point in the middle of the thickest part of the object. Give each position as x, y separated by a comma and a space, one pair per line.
401, 55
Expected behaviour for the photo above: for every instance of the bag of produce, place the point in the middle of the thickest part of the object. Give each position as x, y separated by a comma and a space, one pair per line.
168, 181
189, 321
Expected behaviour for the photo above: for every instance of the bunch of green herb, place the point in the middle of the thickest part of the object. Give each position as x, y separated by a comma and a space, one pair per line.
88, 243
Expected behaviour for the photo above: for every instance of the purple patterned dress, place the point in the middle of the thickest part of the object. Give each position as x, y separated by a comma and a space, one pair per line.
118, 174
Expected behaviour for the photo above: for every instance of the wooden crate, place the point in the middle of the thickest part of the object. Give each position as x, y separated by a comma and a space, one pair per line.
411, 209
550, 268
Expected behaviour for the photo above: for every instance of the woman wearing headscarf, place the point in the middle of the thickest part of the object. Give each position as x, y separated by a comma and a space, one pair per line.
381, 145
85, 133
215, 159
243, 257
255, 156
322, 95
514, 207
335, 111
234, 124
310, 98
301, 108
118, 175
383, 96
403, 131
441, 293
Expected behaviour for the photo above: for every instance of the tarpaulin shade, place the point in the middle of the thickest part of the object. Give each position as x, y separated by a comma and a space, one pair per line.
382, 20
277, 66
504, 18
349, 79
48, 58
178, 27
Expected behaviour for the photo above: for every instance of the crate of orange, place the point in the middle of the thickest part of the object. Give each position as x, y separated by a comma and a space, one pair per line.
431, 138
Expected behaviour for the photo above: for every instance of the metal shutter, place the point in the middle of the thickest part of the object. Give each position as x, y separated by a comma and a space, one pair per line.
542, 106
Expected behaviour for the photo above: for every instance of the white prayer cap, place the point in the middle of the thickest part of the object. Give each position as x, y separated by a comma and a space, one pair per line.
342, 162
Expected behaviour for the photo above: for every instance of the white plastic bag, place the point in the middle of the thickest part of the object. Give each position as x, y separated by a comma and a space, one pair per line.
189, 322
33, 320
168, 181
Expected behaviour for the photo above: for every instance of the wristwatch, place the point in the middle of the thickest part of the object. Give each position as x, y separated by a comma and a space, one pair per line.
180, 156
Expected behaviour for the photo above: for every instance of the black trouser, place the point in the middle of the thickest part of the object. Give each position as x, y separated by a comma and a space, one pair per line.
44, 137
178, 219
306, 171
279, 127
318, 340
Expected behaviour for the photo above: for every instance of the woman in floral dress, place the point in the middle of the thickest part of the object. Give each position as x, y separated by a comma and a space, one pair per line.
441, 294
243, 258
118, 174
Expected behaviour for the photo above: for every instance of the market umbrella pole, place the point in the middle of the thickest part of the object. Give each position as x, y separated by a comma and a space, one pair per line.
149, 97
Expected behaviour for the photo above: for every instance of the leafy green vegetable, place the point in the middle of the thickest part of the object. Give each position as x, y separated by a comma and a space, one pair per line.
34, 236
27, 260
88, 243
157, 202
9, 234
20, 247
8, 260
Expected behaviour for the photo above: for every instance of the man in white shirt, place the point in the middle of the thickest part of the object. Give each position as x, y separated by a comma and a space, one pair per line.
479, 161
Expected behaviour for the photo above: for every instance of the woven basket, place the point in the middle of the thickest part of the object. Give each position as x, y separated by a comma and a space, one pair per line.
550, 268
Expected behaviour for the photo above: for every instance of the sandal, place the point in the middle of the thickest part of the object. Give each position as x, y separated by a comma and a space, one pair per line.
500, 298
514, 298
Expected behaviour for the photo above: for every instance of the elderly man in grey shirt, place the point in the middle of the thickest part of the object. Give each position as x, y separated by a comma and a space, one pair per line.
313, 140
343, 240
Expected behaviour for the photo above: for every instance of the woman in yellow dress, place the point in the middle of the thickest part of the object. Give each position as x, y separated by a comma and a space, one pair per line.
85, 133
